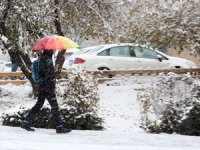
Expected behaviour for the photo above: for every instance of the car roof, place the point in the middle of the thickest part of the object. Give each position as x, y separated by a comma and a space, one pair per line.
106, 46
122, 44
116, 44
90, 47
71, 50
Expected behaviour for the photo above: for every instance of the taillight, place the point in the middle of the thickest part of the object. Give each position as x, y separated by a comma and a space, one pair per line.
79, 61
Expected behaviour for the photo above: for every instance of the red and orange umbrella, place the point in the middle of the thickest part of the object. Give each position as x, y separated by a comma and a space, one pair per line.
54, 42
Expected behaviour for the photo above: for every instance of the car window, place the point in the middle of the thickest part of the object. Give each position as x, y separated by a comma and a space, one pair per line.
92, 50
81, 51
162, 57
68, 54
104, 53
122, 51
132, 52
141, 52
8, 64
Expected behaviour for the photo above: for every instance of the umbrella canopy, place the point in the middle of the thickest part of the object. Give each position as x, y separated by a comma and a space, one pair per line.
54, 42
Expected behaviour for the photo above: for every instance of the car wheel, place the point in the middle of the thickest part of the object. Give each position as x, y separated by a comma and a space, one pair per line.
103, 68
176, 67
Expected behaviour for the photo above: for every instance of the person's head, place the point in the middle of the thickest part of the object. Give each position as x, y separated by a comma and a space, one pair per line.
48, 53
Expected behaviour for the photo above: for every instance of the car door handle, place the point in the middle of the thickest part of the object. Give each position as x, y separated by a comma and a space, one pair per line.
110, 59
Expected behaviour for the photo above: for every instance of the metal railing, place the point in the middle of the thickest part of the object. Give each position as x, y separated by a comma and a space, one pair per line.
18, 78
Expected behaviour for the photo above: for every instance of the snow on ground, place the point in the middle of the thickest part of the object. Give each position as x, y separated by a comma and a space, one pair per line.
12, 138
120, 110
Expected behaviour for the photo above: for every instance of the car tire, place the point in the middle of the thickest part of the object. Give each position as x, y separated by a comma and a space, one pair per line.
177, 67
103, 68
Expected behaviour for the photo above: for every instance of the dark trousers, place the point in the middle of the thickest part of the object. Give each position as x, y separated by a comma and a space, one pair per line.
51, 97
14, 69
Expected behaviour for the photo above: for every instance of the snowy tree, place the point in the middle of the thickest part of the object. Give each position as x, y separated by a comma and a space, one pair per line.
173, 23
24, 22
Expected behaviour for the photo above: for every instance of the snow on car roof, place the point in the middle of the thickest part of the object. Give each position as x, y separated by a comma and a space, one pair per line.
121, 44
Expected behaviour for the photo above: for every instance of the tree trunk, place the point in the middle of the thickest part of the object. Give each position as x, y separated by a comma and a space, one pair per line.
60, 57
24, 62
21, 59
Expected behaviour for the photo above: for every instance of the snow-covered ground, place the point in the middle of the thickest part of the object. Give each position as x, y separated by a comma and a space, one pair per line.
17, 139
120, 110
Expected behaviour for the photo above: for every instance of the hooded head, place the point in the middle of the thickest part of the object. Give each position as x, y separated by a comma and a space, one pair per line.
48, 53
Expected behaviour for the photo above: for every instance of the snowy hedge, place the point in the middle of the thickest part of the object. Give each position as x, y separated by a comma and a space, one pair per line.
81, 91
79, 99
171, 105
71, 118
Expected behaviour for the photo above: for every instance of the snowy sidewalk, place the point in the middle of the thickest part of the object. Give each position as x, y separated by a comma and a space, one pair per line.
118, 107
13, 138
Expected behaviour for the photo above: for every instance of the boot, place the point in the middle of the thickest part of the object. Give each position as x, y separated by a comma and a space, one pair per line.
61, 129
26, 125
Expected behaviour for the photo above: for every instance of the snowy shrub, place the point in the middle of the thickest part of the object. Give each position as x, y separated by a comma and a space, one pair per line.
81, 91
191, 125
71, 118
79, 104
168, 105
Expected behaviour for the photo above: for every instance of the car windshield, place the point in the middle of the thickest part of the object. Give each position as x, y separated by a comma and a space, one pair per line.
82, 51
93, 49
68, 54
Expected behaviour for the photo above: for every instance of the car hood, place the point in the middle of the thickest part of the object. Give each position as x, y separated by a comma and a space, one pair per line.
182, 62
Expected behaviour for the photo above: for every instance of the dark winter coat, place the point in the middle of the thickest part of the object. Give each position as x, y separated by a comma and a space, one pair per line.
13, 57
46, 71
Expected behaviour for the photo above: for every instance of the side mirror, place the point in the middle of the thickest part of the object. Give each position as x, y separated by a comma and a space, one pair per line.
159, 57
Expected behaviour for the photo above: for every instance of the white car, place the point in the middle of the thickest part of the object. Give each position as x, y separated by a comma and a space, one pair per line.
1, 66
68, 54
5, 66
127, 56
70, 59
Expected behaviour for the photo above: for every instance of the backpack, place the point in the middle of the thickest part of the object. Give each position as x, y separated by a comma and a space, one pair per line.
35, 71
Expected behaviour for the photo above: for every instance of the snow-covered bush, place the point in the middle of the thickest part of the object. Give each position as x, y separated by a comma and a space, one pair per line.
81, 94
167, 106
79, 103
71, 118
81, 91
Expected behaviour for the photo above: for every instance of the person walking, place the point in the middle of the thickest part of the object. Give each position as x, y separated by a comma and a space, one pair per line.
46, 90
13, 60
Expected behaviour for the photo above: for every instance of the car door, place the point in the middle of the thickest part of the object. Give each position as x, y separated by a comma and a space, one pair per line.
148, 59
116, 58
120, 57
